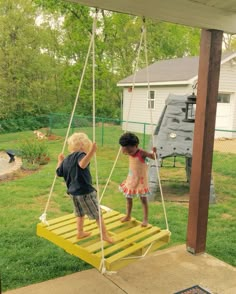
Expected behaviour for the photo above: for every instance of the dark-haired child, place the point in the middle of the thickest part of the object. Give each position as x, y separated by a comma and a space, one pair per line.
136, 183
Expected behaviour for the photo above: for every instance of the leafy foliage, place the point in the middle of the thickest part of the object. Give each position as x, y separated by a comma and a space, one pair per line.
22, 66
23, 124
44, 44
34, 153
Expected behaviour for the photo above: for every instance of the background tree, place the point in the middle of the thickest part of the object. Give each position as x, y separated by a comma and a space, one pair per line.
229, 42
43, 45
25, 71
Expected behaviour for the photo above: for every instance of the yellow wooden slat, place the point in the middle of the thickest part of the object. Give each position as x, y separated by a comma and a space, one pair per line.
136, 247
109, 214
70, 218
70, 225
62, 223
95, 230
120, 263
69, 247
70, 232
129, 241
121, 236
60, 219
95, 245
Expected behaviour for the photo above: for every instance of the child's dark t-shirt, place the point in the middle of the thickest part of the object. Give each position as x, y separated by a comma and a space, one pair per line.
78, 180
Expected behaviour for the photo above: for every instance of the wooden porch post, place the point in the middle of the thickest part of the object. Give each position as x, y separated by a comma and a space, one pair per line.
203, 143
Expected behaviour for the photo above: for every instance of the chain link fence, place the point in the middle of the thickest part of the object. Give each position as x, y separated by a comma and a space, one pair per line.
107, 134
108, 130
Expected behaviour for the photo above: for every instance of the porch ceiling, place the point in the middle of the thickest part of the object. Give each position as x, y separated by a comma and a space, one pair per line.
208, 14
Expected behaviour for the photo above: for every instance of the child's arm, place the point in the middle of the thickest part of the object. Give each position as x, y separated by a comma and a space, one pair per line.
59, 169
86, 159
151, 155
60, 158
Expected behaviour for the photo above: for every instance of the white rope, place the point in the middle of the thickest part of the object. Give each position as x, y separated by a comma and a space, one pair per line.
134, 78
43, 217
152, 132
102, 264
128, 114
139, 256
109, 178
143, 37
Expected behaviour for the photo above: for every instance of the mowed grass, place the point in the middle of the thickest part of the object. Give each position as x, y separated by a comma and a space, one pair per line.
26, 259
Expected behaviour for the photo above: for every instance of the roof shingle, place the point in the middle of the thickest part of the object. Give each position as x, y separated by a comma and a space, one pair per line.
171, 70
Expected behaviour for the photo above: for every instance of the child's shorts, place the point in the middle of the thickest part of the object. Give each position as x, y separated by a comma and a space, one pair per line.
86, 205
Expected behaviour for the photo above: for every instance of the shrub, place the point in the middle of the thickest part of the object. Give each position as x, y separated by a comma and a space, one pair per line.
29, 166
23, 124
81, 122
34, 152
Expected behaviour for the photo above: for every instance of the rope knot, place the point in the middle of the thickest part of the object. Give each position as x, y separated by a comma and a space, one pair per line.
43, 219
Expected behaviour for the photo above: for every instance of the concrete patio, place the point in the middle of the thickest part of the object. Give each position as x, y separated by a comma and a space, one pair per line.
165, 272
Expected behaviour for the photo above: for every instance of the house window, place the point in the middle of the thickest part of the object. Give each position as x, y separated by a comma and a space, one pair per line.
151, 100
223, 98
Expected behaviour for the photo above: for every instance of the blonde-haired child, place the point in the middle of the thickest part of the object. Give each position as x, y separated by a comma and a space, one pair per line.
79, 141
75, 170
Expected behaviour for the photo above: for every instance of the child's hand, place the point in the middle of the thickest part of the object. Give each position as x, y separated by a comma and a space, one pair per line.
93, 147
154, 150
60, 157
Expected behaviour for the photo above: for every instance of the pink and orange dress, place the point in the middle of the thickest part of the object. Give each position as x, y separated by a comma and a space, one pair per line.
136, 183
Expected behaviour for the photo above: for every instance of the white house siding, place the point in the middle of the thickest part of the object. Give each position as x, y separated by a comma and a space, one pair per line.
227, 78
139, 112
233, 114
225, 118
226, 112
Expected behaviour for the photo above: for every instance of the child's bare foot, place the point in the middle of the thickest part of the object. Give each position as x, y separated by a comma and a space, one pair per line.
81, 235
108, 239
144, 223
125, 219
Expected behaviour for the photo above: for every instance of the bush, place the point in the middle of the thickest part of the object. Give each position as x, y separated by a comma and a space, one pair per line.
61, 120
82, 122
23, 124
29, 166
34, 152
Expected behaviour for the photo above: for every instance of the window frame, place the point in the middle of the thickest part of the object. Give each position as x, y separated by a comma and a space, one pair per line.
224, 96
151, 101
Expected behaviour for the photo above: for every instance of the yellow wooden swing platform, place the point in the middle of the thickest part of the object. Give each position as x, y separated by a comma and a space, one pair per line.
131, 240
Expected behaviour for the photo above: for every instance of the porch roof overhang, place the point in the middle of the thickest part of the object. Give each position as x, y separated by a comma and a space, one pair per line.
206, 14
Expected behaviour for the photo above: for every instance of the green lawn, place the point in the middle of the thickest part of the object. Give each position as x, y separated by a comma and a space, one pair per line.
27, 259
